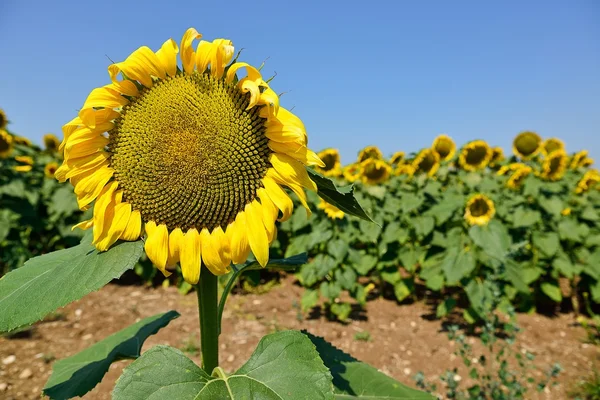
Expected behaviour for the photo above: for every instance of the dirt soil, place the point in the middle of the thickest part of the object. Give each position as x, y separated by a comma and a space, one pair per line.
404, 339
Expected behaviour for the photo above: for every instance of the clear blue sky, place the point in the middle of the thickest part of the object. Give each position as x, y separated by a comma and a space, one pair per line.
391, 73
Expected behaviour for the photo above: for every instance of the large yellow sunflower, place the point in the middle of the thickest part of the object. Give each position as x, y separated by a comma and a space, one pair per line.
332, 211
51, 142
551, 145
331, 159
352, 172
374, 171
497, 156
444, 146
555, 165
397, 158
191, 155
475, 155
25, 164
527, 144
370, 152
426, 162
3, 119
590, 179
50, 169
6, 143
479, 210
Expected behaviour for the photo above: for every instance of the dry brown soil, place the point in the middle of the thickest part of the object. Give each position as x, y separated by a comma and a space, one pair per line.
404, 339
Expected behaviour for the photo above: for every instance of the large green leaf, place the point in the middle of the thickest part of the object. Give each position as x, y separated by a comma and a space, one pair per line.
493, 239
356, 380
80, 373
343, 198
552, 290
524, 217
552, 205
457, 265
53, 280
547, 242
285, 365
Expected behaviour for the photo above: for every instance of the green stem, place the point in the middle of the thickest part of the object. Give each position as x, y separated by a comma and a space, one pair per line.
226, 291
207, 306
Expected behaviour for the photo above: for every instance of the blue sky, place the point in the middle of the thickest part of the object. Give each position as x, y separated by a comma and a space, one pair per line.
391, 73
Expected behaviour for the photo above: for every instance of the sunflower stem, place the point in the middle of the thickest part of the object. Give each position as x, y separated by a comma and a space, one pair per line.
207, 290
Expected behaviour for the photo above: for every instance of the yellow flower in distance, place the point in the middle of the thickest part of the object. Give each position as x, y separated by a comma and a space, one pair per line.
193, 155
352, 172
332, 211
427, 162
518, 176
577, 159
590, 179
444, 146
475, 155
510, 168
479, 210
22, 141
397, 158
6, 143
331, 159
566, 211
527, 144
51, 142
404, 169
551, 145
50, 169
497, 156
3, 120
26, 164
554, 165
374, 171
370, 152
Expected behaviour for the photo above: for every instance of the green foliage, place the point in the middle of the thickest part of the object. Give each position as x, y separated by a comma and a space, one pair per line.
80, 373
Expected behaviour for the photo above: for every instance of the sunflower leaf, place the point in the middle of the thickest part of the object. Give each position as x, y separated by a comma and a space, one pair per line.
341, 197
76, 375
56, 279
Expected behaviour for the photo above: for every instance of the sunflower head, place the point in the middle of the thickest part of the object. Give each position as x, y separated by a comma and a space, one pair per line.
527, 144
551, 145
51, 142
50, 169
518, 176
6, 143
586, 162
479, 210
25, 164
444, 146
404, 169
332, 211
555, 165
497, 156
331, 159
370, 152
191, 156
589, 180
374, 171
577, 159
475, 155
22, 141
3, 119
397, 158
352, 172
426, 162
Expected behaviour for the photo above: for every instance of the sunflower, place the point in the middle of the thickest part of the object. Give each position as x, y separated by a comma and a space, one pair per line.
3, 119
527, 144
551, 145
51, 142
497, 156
518, 176
332, 211
479, 210
25, 164
331, 159
405, 169
192, 155
444, 146
555, 165
397, 158
352, 172
475, 155
6, 143
370, 152
566, 212
588, 181
50, 169
586, 162
427, 162
374, 171
511, 168
22, 141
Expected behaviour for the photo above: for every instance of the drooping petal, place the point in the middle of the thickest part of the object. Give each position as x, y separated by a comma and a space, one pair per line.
291, 170
215, 251
257, 236
133, 230
240, 248
122, 212
175, 242
167, 55
190, 256
187, 51
157, 245
279, 197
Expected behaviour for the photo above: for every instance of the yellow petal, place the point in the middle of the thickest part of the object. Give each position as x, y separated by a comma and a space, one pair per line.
215, 251
89, 187
86, 147
189, 256
279, 197
157, 245
175, 241
269, 98
133, 230
296, 188
203, 55
168, 56
291, 170
252, 73
221, 57
117, 226
248, 86
84, 225
240, 248
270, 213
297, 152
257, 236
104, 199
187, 51
100, 97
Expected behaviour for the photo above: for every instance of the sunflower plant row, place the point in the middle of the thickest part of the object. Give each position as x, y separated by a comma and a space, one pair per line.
186, 157
446, 220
